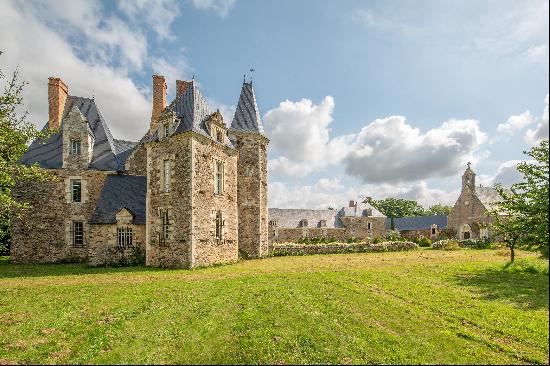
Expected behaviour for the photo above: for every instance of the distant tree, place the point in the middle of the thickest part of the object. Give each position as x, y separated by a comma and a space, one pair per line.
15, 134
396, 207
526, 205
439, 209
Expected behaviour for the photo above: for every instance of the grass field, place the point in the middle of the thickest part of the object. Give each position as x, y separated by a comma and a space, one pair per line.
410, 307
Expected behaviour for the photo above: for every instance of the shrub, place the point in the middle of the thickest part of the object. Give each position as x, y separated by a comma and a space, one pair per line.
448, 244
424, 242
394, 235
376, 240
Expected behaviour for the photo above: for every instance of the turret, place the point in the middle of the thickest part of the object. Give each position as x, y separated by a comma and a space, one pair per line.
469, 179
247, 135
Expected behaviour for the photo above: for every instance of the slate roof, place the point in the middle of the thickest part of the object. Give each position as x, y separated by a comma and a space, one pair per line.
247, 115
108, 153
290, 218
418, 222
191, 109
488, 196
121, 191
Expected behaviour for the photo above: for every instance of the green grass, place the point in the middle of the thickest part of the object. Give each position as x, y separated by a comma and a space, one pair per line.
424, 306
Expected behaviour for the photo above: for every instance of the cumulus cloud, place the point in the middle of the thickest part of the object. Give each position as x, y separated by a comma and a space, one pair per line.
221, 7
512, 125
157, 14
385, 150
180, 70
540, 132
300, 131
319, 196
506, 174
121, 101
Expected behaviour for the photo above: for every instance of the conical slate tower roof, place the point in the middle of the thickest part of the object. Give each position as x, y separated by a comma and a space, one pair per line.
247, 115
192, 109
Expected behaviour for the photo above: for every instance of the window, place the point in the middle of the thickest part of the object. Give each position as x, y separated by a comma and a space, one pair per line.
76, 190
166, 127
303, 223
218, 178
433, 230
165, 227
369, 226
272, 222
219, 224
125, 237
166, 175
77, 233
219, 136
322, 223
75, 147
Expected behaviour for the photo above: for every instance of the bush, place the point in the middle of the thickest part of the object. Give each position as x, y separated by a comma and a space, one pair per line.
424, 242
376, 240
394, 235
448, 244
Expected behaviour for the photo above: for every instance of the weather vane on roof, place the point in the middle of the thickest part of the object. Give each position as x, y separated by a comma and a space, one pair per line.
251, 71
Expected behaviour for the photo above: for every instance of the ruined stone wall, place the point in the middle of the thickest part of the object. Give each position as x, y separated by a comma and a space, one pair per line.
252, 194
468, 210
282, 235
43, 236
103, 249
207, 249
176, 251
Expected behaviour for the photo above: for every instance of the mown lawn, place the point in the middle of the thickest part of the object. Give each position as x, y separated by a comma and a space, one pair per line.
414, 307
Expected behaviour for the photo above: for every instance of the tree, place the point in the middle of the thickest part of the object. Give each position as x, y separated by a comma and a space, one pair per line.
15, 134
525, 205
439, 209
396, 207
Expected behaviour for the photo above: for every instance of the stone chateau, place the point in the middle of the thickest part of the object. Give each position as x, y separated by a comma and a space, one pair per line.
191, 192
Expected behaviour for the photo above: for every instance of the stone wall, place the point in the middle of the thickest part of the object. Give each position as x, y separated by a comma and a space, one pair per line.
207, 249
252, 194
282, 235
305, 249
468, 210
136, 163
43, 236
177, 250
103, 249
357, 227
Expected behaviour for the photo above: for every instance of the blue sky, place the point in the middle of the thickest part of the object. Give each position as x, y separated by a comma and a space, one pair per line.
358, 97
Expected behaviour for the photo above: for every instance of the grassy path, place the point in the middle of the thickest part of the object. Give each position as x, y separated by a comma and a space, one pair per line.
413, 307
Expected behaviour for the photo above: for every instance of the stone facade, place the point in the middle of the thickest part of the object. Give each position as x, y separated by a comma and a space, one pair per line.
470, 217
183, 195
44, 236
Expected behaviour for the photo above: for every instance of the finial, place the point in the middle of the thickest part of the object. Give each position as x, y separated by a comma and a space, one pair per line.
468, 165
193, 78
93, 94
251, 71
244, 78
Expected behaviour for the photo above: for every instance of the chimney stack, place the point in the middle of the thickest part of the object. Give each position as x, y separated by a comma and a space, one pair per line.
352, 204
159, 98
181, 87
57, 96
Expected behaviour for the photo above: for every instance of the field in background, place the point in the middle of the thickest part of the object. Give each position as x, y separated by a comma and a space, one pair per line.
424, 306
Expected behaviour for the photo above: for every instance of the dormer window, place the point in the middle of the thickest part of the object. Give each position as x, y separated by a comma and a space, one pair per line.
219, 136
323, 223
303, 223
273, 223
75, 147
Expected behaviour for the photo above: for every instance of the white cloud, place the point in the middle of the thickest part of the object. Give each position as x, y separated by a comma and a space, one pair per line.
512, 125
386, 150
285, 195
328, 184
122, 103
506, 174
221, 7
299, 131
157, 14
540, 132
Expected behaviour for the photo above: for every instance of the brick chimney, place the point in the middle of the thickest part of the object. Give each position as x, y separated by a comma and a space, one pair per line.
159, 98
352, 204
57, 96
181, 87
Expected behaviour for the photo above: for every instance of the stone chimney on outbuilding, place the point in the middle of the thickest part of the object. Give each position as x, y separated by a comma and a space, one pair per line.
159, 98
57, 96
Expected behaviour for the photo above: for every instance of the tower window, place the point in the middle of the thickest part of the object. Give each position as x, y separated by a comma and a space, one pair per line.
77, 234
166, 129
369, 226
76, 190
166, 175
219, 225
75, 147
218, 177
165, 227
219, 136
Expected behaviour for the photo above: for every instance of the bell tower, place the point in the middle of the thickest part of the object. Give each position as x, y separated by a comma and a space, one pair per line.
469, 179
248, 137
